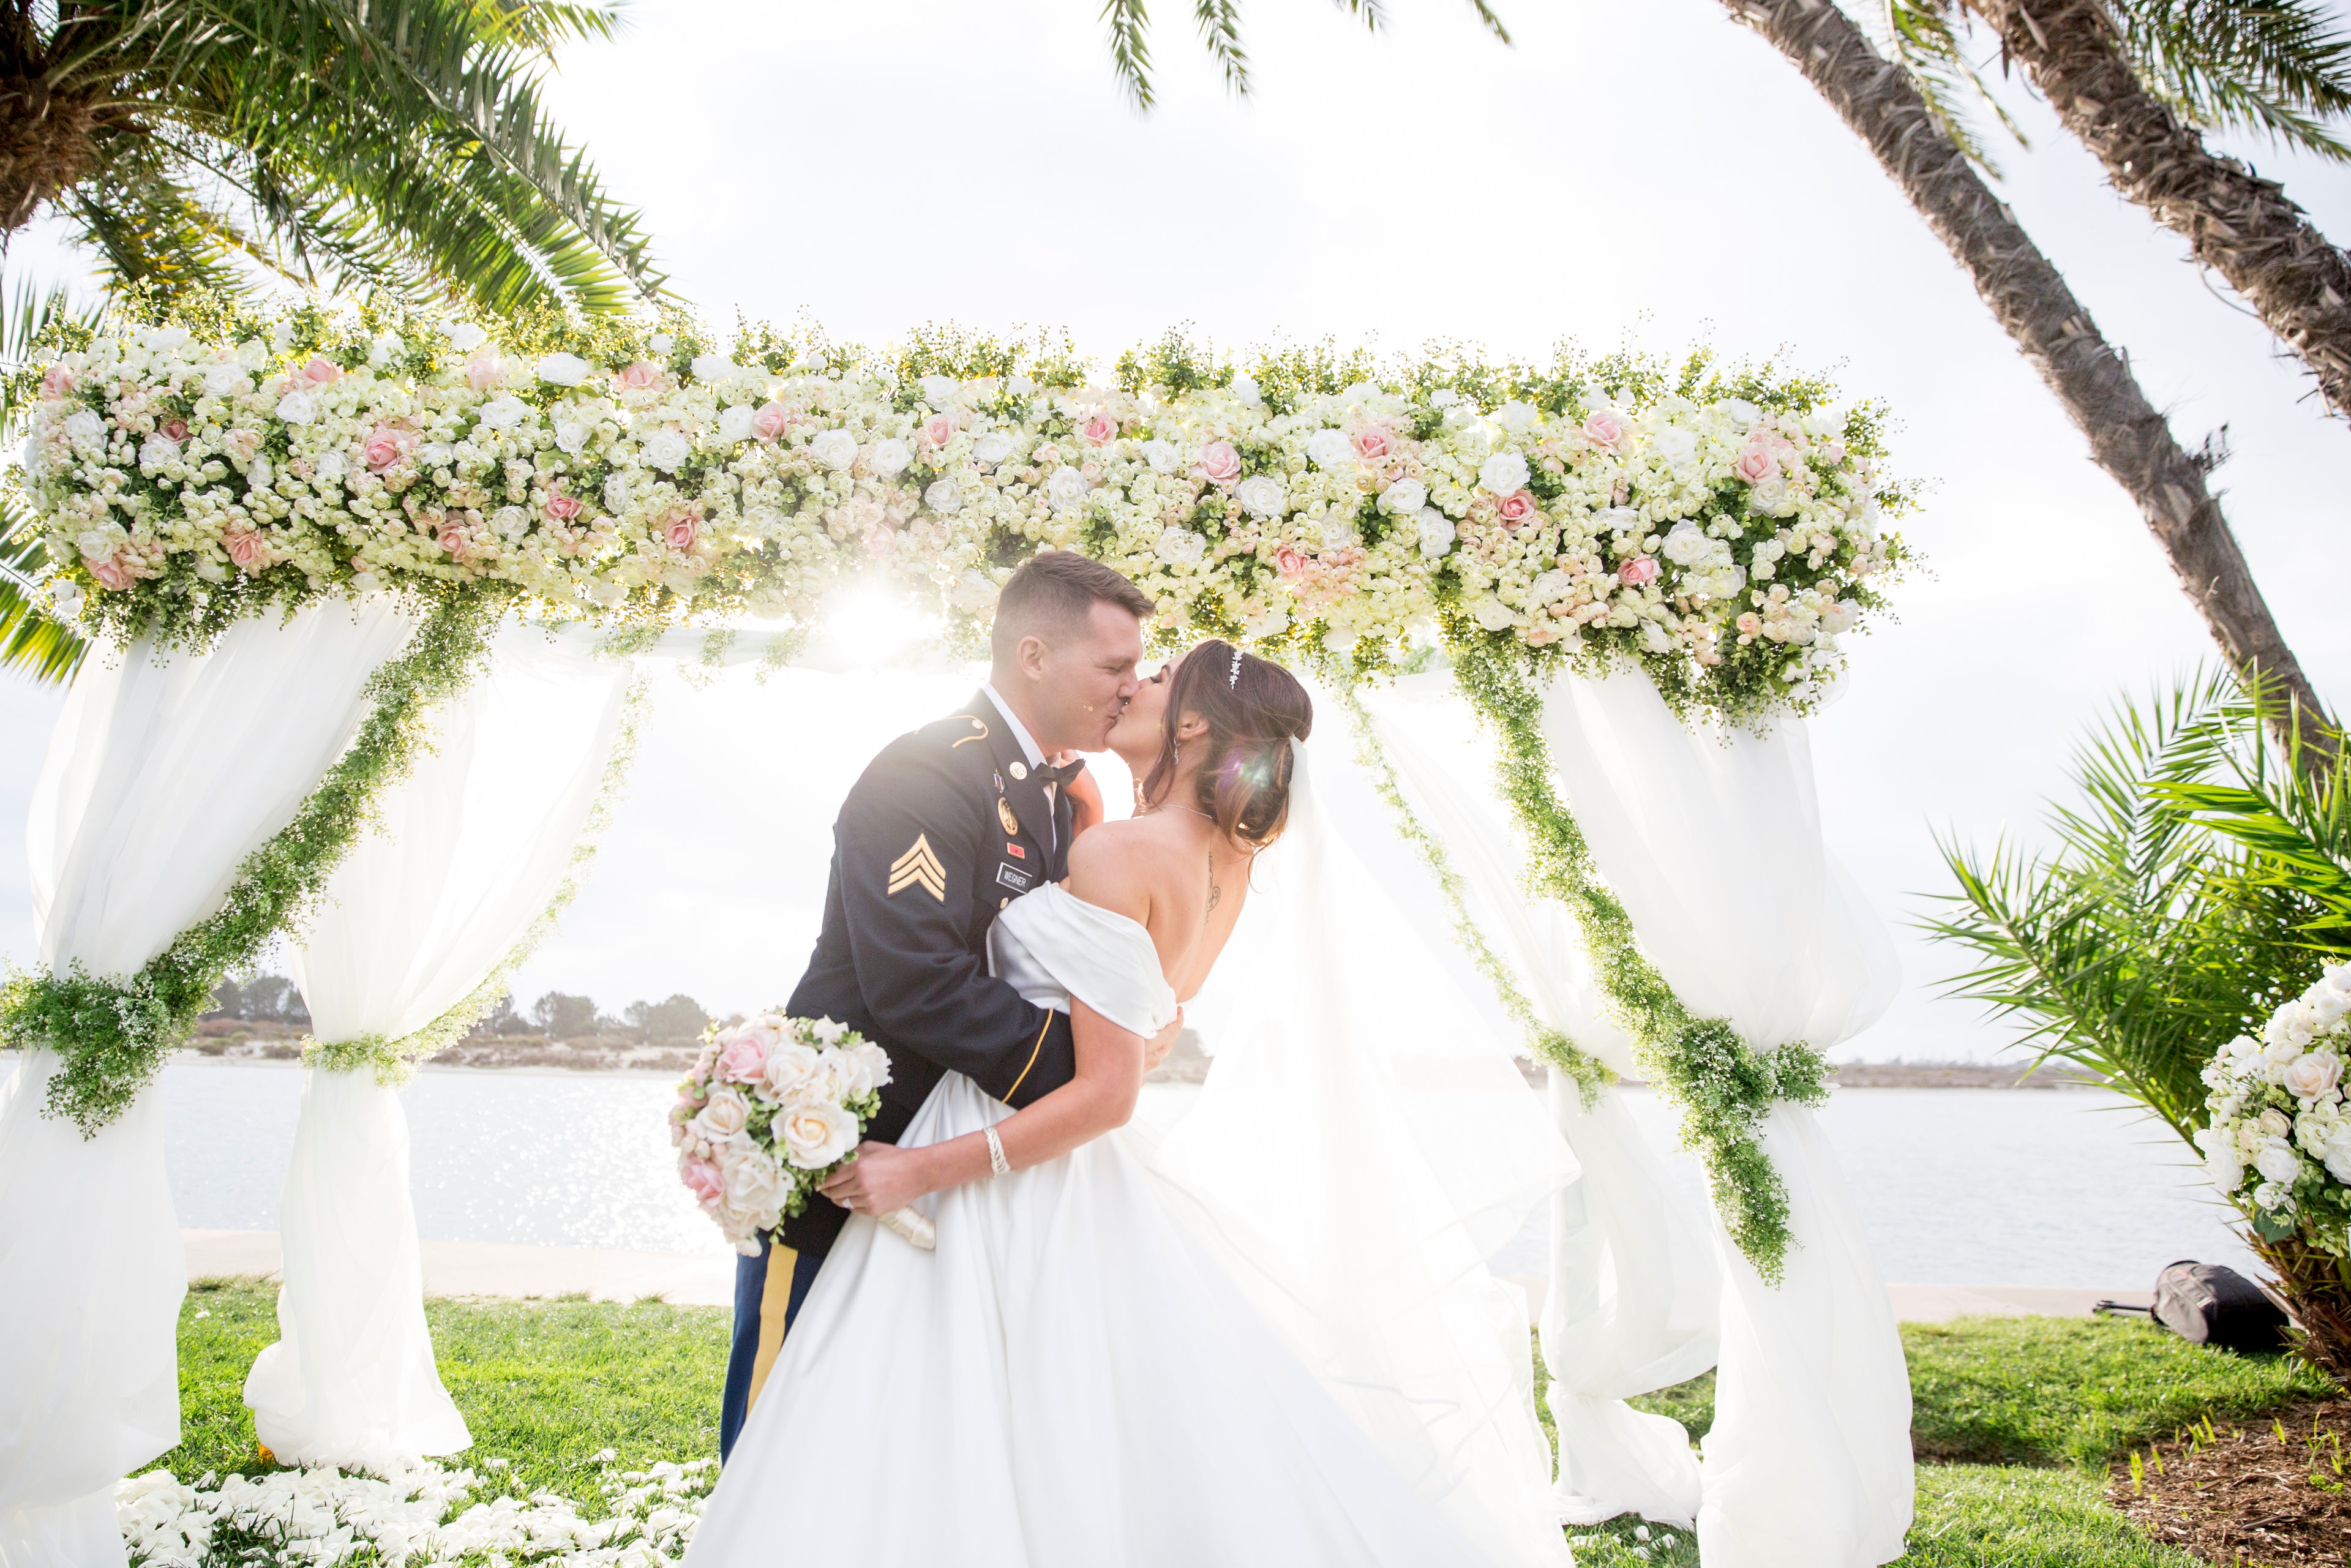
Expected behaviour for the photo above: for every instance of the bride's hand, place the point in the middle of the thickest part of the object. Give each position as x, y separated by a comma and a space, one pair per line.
881, 1178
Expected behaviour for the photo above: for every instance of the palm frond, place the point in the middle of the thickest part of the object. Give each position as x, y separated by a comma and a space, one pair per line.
1129, 23
1491, 19
2139, 947
2280, 68
1219, 22
2287, 805
30, 641
1928, 40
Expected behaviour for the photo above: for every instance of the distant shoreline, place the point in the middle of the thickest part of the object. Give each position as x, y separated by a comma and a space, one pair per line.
267, 1043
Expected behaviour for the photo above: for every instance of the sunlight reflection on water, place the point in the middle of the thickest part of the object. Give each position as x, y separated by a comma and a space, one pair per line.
1954, 1186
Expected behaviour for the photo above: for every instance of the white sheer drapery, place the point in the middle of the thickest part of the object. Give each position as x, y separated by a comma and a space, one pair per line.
1712, 841
164, 771
1352, 1079
1635, 1294
467, 854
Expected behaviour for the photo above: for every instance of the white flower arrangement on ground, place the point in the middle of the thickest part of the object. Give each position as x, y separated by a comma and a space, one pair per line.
771, 1108
2279, 1142
410, 1517
1722, 532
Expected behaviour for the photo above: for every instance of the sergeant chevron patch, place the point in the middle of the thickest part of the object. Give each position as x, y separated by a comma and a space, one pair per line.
919, 867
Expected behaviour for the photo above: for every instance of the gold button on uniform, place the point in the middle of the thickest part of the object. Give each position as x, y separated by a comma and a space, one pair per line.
1003, 902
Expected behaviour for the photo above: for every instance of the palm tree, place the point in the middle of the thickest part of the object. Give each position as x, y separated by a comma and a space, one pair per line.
383, 142
2137, 81
395, 145
1882, 103
1913, 139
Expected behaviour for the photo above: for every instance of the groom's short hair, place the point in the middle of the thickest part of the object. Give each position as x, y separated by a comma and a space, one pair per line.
1052, 593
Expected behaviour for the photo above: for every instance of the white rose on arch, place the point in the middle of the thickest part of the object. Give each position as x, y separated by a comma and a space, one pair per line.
561, 370
504, 412
734, 424
85, 427
1161, 454
1262, 497
836, 449
973, 592
991, 449
1494, 615
937, 391
2277, 1162
1504, 473
889, 458
665, 449
1673, 445
1180, 546
296, 408
1687, 544
2308, 1077
1407, 495
1066, 490
1436, 533
227, 378
1331, 449
943, 496
464, 336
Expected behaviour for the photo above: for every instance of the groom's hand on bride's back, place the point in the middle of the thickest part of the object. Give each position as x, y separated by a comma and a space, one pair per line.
1155, 1049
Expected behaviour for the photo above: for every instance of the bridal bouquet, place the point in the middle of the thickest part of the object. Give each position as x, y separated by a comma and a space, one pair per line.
769, 1110
2279, 1144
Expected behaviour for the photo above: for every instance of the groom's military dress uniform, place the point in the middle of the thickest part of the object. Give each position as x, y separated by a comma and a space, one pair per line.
946, 826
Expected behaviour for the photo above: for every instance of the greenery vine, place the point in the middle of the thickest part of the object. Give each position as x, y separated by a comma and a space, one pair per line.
1724, 1086
1550, 1044
112, 1034
394, 1060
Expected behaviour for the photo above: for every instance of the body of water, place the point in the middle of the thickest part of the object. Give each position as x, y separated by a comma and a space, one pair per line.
1954, 1186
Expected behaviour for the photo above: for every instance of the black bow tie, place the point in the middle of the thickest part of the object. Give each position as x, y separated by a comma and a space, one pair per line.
1046, 773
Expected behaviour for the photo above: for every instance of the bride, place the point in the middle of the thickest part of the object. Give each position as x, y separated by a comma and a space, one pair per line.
1270, 1339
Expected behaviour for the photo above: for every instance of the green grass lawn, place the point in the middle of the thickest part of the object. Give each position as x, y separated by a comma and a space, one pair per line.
2014, 1417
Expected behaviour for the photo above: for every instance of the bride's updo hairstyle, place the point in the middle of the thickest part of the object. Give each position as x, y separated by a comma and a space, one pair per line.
1254, 708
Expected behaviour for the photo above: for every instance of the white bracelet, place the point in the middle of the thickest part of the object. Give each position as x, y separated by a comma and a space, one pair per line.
995, 1160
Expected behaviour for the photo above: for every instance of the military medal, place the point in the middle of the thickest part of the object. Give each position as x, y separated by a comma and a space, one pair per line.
1004, 815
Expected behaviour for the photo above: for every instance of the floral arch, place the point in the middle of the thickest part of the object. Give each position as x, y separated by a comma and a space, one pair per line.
1613, 557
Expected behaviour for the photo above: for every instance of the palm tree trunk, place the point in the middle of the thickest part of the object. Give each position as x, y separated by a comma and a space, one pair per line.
2094, 382
2238, 224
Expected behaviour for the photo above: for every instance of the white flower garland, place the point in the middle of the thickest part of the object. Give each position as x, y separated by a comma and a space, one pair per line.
1723, 532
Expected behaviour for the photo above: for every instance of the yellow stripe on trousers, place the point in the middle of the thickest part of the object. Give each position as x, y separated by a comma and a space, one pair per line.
775, 1307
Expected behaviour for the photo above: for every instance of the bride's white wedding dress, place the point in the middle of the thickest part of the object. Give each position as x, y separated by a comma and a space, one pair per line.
1106, 1362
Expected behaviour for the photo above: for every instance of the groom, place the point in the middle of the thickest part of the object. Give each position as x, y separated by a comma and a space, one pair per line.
947, 825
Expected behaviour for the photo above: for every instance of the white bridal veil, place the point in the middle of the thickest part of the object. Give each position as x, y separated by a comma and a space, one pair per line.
1361, 1146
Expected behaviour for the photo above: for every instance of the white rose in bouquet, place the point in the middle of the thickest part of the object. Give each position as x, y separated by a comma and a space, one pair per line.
861, 1069
757, 1185
2277, 1162
722, 1118
816, 1133
793, 1068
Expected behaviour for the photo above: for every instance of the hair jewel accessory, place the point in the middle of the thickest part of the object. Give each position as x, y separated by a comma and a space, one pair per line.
1233, 675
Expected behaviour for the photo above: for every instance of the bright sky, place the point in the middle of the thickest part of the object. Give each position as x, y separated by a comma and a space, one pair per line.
1651, 173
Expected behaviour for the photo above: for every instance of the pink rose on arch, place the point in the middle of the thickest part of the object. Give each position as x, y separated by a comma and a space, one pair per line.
1374, 442
1756, 463
111, 573
1517, 509
386, 446
939, 429
1749, 624
562, 508
485, 371
453, 539
704, 1180
177, 429
242, 443
1101, 429
1288, 561
1640, 570
637, 374
1219, 463
771, 421
57, 382
320, 371
744, 1059
245, 548
681, 529
1604, 427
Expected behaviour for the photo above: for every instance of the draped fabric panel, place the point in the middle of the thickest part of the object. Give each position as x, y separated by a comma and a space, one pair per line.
165, 771
1634, 1292
1712, 840
465, 856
